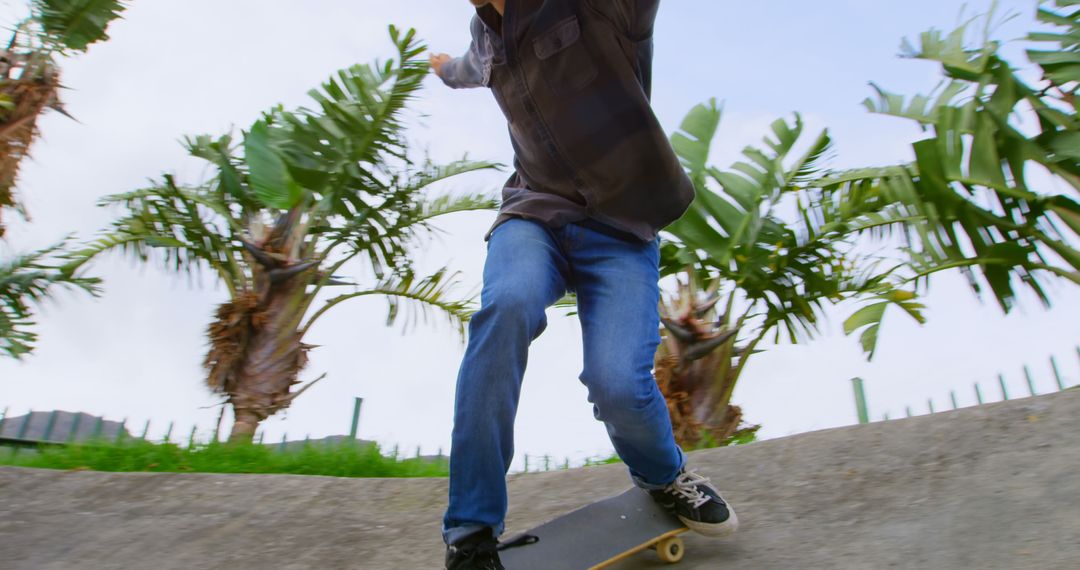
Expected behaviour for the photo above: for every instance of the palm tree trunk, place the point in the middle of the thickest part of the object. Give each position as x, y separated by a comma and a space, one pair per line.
243, 430
697, 367
256, 353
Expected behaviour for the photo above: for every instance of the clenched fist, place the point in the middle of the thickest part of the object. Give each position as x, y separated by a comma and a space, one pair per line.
437, 61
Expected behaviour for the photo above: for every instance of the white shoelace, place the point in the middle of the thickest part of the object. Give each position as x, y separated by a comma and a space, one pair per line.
686, 484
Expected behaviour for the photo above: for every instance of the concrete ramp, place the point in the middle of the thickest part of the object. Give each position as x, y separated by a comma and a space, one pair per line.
991, 487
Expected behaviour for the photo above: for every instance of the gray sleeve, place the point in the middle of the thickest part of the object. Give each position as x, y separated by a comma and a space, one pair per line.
468, 70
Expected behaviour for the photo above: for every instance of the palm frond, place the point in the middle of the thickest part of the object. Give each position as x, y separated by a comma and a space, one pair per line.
76, 24
25, 282
453, 203
186, 228
418, 294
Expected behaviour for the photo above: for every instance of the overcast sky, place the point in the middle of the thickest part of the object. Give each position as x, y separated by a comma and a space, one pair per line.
204, 66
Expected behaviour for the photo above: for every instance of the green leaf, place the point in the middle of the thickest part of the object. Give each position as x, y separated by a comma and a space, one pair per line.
868, 315
270, 178
76, 24
694, 139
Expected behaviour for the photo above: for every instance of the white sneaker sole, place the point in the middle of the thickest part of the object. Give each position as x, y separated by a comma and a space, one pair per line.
717, 530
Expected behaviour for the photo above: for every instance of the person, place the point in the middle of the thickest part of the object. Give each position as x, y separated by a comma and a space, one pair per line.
595, 179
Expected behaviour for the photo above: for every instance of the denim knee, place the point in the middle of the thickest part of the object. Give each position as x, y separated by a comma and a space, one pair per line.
511, 309
619, 392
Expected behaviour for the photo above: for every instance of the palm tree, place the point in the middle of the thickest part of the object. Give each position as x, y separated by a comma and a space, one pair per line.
748, 270
969, 184
761, 259
26, 281
313, 190
30, 74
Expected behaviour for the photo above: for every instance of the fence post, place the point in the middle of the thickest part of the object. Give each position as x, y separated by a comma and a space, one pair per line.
217, 428
74, 431
1057, 374
168, 432
978, 394
860, 401
191, 438
146, 430
99, 425
120, 432
930, 404
3, 419
49, 426
354, 431
907, 410
281, 447
1030, 382
952, 396
25, 425
1004, 390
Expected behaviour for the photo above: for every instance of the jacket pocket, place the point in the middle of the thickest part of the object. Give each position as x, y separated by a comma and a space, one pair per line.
565, 60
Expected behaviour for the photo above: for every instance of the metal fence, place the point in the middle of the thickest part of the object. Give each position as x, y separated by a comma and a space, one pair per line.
998, 392
37, 428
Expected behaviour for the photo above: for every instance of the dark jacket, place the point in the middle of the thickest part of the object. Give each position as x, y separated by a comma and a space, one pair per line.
573, 78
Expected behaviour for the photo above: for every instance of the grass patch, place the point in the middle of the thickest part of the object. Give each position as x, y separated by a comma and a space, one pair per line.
341, 460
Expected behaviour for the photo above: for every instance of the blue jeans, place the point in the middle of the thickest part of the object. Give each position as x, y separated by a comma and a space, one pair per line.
529, 267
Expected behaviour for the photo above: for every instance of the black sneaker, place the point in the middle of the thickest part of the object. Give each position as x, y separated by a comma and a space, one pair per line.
698, 505
478, 551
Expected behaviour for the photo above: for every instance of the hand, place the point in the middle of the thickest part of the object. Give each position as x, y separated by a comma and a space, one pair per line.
437, 62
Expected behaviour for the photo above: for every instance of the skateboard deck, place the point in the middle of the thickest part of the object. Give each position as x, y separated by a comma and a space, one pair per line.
599, 535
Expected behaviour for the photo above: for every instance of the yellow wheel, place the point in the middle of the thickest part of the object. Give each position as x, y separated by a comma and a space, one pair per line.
671, 549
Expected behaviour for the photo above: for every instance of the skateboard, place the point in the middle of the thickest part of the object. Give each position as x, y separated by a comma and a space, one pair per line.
599, 535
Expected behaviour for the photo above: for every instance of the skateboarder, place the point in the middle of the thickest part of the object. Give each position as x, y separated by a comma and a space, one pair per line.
595, 180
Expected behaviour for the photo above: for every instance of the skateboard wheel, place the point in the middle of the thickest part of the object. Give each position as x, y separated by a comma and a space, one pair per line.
671, 550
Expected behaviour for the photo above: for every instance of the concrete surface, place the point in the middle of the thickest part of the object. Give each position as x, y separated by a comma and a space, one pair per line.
990, 487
